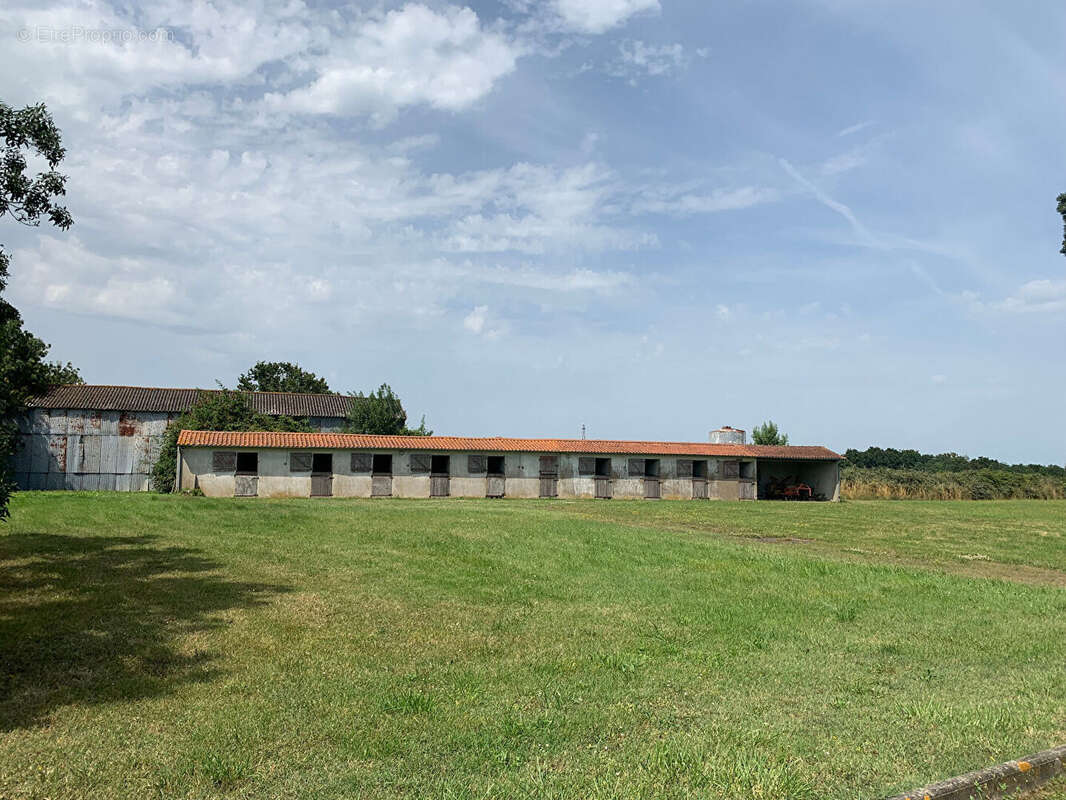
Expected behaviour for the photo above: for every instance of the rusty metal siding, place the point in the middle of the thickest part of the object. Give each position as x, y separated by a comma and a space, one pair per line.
88, 450
113, 442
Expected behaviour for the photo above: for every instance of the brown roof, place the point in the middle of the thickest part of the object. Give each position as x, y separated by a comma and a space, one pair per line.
498, 444
140, 398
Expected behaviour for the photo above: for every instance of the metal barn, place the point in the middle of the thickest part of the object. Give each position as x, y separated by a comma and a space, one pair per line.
108, 437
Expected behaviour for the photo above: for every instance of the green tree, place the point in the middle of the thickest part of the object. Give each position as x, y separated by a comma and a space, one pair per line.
382, 413
281, 376
27, 199
63, 374
215, 411
1062, 210
767, 433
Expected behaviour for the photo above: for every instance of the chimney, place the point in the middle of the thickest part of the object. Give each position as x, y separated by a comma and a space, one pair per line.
728, 435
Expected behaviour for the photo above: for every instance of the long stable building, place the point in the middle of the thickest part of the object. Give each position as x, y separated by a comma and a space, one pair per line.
227, 464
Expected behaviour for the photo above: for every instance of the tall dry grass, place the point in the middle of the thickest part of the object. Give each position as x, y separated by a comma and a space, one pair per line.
902, 484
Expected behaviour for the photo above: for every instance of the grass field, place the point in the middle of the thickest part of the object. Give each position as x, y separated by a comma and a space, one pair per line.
157, 646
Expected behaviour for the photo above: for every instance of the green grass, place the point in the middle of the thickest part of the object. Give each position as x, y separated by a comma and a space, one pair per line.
156, 646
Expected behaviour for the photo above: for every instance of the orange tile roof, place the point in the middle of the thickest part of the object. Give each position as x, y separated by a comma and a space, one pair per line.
496, 444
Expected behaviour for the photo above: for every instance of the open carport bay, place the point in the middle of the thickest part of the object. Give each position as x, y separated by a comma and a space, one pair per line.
776, 475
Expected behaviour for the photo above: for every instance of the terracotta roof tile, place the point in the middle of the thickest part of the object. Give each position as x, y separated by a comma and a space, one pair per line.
141, 398
498, 444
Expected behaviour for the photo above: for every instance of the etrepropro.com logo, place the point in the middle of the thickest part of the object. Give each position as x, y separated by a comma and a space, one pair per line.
77, 34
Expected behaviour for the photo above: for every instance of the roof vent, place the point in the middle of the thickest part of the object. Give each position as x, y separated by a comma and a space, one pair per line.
728, 435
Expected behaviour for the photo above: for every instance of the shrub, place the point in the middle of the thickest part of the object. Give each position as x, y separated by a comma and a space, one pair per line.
222, 411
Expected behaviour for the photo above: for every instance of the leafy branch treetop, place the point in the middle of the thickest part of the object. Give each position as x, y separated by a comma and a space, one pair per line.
28, 199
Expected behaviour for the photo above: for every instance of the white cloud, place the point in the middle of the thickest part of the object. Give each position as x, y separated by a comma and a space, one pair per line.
409, 56
597, 16
537, 209
663, 200
843, 162
475, 320
1038, 296
858, 126
638, 57
577, 280
481, 323
221, 42
64, 274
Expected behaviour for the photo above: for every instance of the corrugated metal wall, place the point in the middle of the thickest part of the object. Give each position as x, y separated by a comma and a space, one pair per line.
97, 450
88, 450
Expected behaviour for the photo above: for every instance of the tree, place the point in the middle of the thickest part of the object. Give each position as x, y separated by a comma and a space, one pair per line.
27, 200
281, 376
1062, 210
63, 374
767, 433
382, 413
215, 411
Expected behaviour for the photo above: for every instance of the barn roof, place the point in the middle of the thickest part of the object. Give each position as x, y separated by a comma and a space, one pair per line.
140, 398
497, 444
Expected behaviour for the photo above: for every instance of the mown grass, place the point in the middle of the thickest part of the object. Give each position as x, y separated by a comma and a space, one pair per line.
155, 646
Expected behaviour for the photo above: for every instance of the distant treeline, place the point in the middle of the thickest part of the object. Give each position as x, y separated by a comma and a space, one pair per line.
883, 483
891, 458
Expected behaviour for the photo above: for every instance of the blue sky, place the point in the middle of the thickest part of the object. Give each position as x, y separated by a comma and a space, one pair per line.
646, 216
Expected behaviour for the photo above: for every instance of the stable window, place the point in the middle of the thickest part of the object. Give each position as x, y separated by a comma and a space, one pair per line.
496, 464
440, 465
699, 469
747, 469
322, 463
223, 461
651, 468
382, 464
603, 467
247, 463
299, 462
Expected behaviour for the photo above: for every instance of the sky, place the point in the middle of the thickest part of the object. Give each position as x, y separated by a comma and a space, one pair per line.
649, 217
